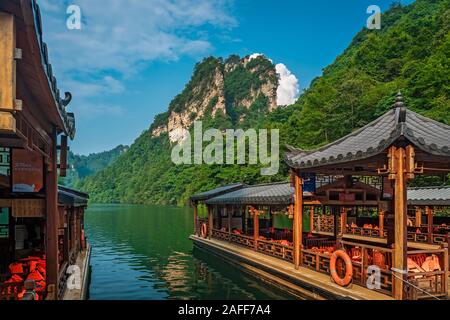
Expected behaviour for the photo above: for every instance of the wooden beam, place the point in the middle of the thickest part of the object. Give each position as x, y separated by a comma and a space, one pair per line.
7, 122
381, 222
255, 228
400, 223
229, 213
418, 217
311, 218
210, 222
7, 62
429, 213
63, 156
297, 223
52, 223
343, 220
194, 204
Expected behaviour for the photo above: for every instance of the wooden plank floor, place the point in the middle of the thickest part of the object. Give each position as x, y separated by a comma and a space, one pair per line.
283, 269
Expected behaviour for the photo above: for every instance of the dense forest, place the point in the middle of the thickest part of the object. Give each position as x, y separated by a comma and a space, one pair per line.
411, 52
83, 166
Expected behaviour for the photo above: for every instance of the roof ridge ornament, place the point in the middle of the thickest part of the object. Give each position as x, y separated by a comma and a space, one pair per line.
399, 100
400, 107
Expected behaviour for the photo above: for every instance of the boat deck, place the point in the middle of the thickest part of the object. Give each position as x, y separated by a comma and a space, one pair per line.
282, 273
83, 261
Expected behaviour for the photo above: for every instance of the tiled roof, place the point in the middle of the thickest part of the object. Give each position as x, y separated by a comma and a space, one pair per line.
439, 196
216, 192
426, 134
264, 194
72, 197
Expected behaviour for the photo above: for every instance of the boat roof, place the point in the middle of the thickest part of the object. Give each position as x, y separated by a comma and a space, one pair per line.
264, 194
216, 192
438, 196
282, 193
67, 196
425, 134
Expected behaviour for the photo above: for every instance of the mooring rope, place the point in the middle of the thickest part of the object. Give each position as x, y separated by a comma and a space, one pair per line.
412, 285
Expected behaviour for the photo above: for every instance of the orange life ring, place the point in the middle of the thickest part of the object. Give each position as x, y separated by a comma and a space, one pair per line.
348, 268
203, 230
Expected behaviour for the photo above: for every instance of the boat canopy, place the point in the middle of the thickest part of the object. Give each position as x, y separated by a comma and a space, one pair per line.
71, 197
430, 137
436, 196
216, 192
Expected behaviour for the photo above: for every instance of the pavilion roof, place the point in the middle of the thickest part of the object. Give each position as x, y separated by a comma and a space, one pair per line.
264, 194
216, 192
438, 196
425, 134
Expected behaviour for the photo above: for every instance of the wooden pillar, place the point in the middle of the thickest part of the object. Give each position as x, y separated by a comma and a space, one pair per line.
229, 213
311, 218
400, 223
429, 213
343, 220
381, 222
418, 217
51, 180
194, 204
298, 218
210, 221
255, 228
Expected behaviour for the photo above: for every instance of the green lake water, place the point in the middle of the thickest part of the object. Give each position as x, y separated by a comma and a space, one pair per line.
143, 252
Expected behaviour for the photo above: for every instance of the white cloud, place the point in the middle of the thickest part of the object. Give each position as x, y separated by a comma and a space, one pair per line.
288, 88
119, 37
119, 34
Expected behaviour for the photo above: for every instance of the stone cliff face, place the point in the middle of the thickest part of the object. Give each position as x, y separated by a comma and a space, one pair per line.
205, 94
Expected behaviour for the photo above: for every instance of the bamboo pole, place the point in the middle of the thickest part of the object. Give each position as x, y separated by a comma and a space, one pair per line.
298, 218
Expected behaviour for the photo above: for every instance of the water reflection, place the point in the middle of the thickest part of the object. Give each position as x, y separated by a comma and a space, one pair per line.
143, 252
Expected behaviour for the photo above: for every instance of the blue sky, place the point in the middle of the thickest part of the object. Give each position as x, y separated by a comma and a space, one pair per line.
131, 57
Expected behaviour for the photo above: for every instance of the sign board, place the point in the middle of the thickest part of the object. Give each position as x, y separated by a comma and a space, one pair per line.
309, 182
27, 171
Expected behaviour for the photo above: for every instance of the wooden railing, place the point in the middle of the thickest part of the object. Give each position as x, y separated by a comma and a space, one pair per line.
245, 241
220, 235
264, 246
432, 284
277, 250
316, 261
366, 232
323, 223
425, 238
62, 283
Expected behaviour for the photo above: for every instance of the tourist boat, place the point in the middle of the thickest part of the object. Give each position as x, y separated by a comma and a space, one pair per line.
42, 242
347, 199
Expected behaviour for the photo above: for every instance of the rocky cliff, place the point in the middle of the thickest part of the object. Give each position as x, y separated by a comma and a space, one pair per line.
214, 89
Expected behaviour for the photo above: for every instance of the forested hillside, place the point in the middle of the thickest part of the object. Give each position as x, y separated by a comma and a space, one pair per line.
410, 53
81, 166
